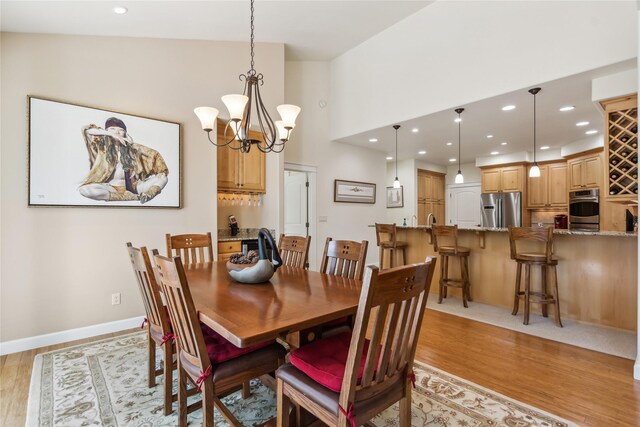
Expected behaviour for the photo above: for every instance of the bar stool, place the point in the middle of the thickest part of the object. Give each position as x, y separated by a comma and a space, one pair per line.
389, 243
544, 260
450, 232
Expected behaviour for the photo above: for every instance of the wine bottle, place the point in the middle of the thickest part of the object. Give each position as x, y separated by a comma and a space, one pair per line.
634, 145
634, 129
614, 162
624, 169
634, 159
613, 191
624, 138
625, 153
613, 176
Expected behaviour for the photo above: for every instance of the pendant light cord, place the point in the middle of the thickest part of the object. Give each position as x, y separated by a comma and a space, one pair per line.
534, 129
252, 71
459, 141
396, 152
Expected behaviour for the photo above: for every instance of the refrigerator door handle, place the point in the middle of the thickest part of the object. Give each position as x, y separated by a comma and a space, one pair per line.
500, 223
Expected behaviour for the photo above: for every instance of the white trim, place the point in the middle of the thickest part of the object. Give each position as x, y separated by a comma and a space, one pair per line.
30, 343
636, 370
299, 168
469, 184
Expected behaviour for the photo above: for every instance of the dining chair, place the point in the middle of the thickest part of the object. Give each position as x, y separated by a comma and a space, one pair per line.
344, 258
211, 362
347, 378
190, 247
386, 238
159, 330
294, 250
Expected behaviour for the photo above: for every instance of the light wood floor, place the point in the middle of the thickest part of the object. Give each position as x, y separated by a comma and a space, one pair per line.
589, 388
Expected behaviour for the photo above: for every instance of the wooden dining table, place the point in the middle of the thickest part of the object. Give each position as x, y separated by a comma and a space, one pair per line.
293, 300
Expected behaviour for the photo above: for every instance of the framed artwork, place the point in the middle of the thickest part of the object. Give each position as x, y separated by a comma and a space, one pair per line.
82, 156
354, 192
395, 197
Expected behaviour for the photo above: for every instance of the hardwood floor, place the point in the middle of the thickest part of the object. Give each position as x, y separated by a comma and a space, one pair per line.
589, 388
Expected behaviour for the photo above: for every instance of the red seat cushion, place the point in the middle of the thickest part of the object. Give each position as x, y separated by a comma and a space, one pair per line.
220, 350
324, 360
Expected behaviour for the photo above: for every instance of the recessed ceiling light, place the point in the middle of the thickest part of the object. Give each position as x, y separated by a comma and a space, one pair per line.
591, 132
449, 143
452, 160
120, 10
508, 107
544, 147
422, 152
567, 108
457, 120
489, 136
389, 158
414, 130
582, 123
504, 143
493, 153
373, 140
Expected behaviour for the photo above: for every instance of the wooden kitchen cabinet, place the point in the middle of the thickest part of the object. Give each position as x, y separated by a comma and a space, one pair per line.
550, 188
621, 148
430, 196
503, 179
226, 249
585, 171
240, 172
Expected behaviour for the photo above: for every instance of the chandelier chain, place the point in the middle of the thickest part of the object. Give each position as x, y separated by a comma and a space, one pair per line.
252, 71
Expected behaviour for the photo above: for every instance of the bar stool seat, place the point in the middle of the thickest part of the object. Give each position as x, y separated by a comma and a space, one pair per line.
386, 240
544, 260
448, 251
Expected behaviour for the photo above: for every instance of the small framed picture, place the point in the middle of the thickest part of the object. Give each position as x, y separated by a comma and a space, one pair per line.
354, 192
395, 197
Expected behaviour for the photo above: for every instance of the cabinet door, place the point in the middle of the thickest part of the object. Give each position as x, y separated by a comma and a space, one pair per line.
538, 189
422, 213
491, 180
424, 186
575, 174
252, 168
592, 171
228, 162
437, 187
512, 178
439, 213
558, 191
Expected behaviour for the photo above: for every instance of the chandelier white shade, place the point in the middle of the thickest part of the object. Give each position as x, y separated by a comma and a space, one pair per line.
459, 178
242, 109
534, 172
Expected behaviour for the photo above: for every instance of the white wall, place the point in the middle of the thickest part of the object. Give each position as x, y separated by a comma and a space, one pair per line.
61, 265
306, 85
454, 53
470, 172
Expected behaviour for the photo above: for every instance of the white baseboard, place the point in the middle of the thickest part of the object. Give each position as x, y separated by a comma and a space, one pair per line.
30, 343
636, 370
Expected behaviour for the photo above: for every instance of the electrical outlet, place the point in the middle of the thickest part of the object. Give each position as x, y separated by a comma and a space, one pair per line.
115, 299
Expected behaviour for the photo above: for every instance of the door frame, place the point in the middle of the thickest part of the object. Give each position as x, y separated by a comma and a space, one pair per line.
312, 177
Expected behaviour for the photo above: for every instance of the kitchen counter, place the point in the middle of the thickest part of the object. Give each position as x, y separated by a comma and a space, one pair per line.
597, 271
505, 230
243, 234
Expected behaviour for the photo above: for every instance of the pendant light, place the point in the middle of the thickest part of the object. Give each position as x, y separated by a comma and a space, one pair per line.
534, 172
459, 177
396, 182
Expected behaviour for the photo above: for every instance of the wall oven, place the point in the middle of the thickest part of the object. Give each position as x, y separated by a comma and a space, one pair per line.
584, 210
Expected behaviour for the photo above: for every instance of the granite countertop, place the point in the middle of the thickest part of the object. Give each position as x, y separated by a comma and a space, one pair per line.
505, 230
243, 234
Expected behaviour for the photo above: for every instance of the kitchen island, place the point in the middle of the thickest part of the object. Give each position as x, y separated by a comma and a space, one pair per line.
597, 271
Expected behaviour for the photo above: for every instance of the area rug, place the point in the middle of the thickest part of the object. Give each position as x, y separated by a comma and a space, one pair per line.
104, 383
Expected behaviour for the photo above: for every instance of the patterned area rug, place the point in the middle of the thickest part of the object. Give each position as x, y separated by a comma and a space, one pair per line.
104, 384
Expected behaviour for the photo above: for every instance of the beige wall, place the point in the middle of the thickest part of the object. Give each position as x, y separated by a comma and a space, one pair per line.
59, 266
307, 84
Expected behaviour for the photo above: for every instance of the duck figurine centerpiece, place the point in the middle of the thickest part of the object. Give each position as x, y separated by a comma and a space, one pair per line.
255, 268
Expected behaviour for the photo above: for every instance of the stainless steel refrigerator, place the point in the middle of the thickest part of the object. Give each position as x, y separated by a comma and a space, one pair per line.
501, 210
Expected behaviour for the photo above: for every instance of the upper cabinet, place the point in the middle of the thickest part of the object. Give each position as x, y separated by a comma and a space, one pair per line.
585, 171
550, 188
621, 148
237, 171
503, 179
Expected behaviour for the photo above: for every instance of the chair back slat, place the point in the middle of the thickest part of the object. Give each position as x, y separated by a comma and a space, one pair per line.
443, 234
184, 316
149, 289
399, 295
344, 258
294, 250
543, 235
191, 248
386, 233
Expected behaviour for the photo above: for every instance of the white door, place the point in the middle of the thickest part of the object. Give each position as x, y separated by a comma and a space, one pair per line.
296, 203
463, 205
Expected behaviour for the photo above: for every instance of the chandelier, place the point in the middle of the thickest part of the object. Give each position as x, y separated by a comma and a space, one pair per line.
241, 107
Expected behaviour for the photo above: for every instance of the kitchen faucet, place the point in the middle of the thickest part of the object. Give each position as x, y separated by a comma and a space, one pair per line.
429, 218
414, 220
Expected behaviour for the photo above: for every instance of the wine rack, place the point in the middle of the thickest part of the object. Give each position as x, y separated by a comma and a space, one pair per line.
621, 146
